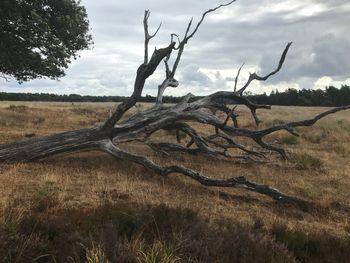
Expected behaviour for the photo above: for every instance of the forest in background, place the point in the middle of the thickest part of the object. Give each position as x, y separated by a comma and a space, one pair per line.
330, 97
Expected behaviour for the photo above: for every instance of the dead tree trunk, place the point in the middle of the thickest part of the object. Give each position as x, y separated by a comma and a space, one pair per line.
38, 148
179, 117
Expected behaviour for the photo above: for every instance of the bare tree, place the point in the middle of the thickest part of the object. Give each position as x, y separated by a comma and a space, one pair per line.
180, 118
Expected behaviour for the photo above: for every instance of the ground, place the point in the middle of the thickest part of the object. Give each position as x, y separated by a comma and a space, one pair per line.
90, 207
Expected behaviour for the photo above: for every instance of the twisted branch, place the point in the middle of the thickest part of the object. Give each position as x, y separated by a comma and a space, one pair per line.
236, 182
255, 76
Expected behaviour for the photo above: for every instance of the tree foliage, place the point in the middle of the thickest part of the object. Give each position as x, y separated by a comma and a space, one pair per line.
38, 38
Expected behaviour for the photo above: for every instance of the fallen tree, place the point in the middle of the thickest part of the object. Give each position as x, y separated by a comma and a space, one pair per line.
141, 126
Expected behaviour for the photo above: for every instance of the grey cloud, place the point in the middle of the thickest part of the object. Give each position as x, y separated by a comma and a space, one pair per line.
190, 75
328, 56
250, 31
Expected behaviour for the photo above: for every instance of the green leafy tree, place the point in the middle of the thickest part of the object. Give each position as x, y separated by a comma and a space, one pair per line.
39, 38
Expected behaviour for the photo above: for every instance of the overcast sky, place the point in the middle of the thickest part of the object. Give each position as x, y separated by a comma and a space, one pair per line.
250, 31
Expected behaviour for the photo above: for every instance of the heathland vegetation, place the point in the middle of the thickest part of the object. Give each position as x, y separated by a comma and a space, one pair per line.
90, 207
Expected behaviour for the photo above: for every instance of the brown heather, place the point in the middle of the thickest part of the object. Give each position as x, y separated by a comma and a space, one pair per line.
89, 207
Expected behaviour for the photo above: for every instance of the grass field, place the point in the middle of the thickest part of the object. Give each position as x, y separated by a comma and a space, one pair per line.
89, 207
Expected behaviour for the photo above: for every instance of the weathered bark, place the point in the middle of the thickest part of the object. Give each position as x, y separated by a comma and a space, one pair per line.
141, 126
42, 147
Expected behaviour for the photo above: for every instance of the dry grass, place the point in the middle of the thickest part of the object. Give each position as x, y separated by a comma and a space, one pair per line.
89, 207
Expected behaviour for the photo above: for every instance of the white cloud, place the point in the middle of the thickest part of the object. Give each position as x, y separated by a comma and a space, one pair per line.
321, 83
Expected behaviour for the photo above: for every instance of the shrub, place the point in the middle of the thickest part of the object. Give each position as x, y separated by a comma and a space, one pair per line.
17, 108
289, 139
45, 197
312, 247
305, 161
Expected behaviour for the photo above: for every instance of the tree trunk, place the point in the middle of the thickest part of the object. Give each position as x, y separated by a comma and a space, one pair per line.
41, 147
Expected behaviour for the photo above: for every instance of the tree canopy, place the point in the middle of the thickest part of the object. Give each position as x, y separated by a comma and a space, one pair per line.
38, 38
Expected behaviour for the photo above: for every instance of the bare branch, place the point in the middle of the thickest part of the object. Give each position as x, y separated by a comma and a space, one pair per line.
143, 72
166, 148
170, 80
254, 76
188, 36
148, 37
145, 26
232, 144
204, 15
273, 148
237, 182
309, 122
233, 97
237, 76
155, 33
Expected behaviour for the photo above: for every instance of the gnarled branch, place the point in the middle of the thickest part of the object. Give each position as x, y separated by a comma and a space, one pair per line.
236, 182
255, 76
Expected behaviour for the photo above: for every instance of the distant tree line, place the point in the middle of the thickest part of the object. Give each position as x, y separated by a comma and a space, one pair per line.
11, 96
331, 96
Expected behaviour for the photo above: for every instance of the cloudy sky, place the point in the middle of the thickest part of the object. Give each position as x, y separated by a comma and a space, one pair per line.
250, 31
